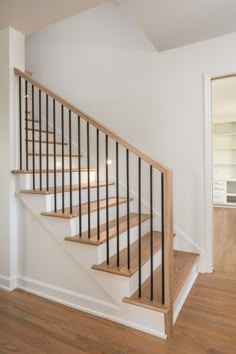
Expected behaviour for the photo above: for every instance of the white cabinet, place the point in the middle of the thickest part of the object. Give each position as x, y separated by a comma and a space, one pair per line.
224, 163
219, 192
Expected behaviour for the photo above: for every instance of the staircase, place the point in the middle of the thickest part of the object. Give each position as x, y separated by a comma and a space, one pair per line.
108, 205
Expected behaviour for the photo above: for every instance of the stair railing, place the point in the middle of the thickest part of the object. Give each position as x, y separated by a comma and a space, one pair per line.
50, 106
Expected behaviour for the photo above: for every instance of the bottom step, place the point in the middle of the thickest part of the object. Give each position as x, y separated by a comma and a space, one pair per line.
183, 265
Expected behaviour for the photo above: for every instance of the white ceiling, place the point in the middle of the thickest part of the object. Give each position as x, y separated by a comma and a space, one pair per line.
167, 23
224, 99
174, 23
28, 16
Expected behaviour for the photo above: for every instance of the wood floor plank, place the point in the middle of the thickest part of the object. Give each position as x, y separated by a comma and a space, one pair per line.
225, 240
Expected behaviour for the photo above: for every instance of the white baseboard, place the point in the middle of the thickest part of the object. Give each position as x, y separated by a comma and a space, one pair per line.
80, 302
7, 283
58, 294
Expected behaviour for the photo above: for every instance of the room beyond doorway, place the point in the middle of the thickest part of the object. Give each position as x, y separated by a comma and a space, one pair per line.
223, 107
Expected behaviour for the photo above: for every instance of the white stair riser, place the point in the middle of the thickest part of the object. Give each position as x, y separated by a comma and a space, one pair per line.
26, 180
134, 233
71, 226
36, 203
74, 161
39, 203
61, 228
128, 284
44, 148
93, 218
84, 196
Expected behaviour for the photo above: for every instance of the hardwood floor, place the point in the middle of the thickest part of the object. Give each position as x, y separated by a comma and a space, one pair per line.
207, 324
225, 240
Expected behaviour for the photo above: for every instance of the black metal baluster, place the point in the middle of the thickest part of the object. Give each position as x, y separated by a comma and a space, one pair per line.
79, 177
40, 143
63, 159
98, 189
47, 149
162, 240
20, 122
139, 231
128, 220
151, 234
117, 208
88, 177
55, 155
33, 147
70, 158
107, 198
26, 126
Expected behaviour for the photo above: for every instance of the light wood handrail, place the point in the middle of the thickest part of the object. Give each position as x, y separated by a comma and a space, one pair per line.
160, 167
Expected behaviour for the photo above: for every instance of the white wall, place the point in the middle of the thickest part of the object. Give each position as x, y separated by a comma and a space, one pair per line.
101, 62
181, 118
12, 51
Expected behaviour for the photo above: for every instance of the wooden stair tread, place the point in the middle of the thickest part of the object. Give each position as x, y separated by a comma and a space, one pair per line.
183, 265
52, 170
31, 120
75, 187
145, 256
93, 208
112, 230
52, 155
38, 130
45, 141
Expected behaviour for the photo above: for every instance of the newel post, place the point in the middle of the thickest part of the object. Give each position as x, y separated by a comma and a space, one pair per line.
168, 250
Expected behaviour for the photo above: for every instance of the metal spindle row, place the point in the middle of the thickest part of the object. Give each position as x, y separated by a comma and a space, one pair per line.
40, 143
70, 163
55, 156
57, 112
88, 180
47, 146
33, 143
98, 186
79, 176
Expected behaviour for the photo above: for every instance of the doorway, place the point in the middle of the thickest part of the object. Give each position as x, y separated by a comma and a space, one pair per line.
223, 129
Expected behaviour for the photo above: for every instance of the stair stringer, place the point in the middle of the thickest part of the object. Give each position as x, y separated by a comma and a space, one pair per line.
110, 304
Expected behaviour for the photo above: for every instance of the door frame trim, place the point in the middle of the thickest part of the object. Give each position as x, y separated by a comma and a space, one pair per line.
208, 167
